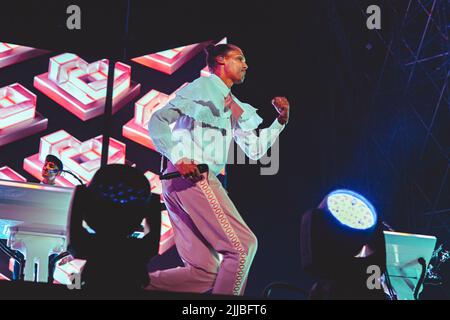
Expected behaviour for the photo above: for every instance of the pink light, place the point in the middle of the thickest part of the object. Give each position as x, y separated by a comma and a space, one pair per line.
18, 116
85, 159
55, 143
65, 270
155, 183
6, 48
6, 173
166, 240
3, 277
169, 61
147, 105
80, 87
17, 104
12, 54
11, 264
137, 128
82, 158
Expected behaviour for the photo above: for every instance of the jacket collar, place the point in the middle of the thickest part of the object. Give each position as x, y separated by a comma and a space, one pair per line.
223, 88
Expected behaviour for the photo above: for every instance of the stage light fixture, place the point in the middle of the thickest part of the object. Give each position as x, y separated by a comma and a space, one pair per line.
336, 231
351, 209
339, 239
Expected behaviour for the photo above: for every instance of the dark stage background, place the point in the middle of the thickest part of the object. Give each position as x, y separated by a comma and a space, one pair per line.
369, 112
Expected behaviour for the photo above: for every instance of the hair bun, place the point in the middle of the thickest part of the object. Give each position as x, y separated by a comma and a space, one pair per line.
209, 48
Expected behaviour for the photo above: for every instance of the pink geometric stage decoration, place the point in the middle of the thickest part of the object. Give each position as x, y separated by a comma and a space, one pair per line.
3, 277
80, 87
82, 158
155, 182
205, 71
137, 128
169, 61
166, 241
12, 53
65, 270
18, 116
6, 173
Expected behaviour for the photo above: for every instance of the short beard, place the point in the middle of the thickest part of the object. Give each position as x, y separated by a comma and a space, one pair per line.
240, 81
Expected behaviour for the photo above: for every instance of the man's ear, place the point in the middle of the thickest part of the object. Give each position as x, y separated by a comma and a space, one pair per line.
220, 60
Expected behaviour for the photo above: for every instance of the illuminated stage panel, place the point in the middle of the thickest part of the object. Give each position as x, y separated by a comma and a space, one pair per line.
205, 71
85, 159
136, 129
155, 183
80, 87
12, 54
3, 277
6, 173
18, 116
65, 272
17, 104
169, 61
166, 240
82, 158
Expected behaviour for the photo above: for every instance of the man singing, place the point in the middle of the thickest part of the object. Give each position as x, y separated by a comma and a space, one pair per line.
215, 244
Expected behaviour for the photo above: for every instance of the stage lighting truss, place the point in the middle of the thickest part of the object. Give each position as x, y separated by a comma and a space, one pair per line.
80, 87
351, 209
18, 116
81, 158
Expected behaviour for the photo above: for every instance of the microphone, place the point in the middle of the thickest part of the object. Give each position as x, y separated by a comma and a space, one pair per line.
201, 167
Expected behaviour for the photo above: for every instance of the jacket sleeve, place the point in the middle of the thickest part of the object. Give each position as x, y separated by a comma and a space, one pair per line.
256, 146
161, 133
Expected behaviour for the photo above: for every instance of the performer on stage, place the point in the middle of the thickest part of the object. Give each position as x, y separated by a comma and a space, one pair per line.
52, 168
211, 237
